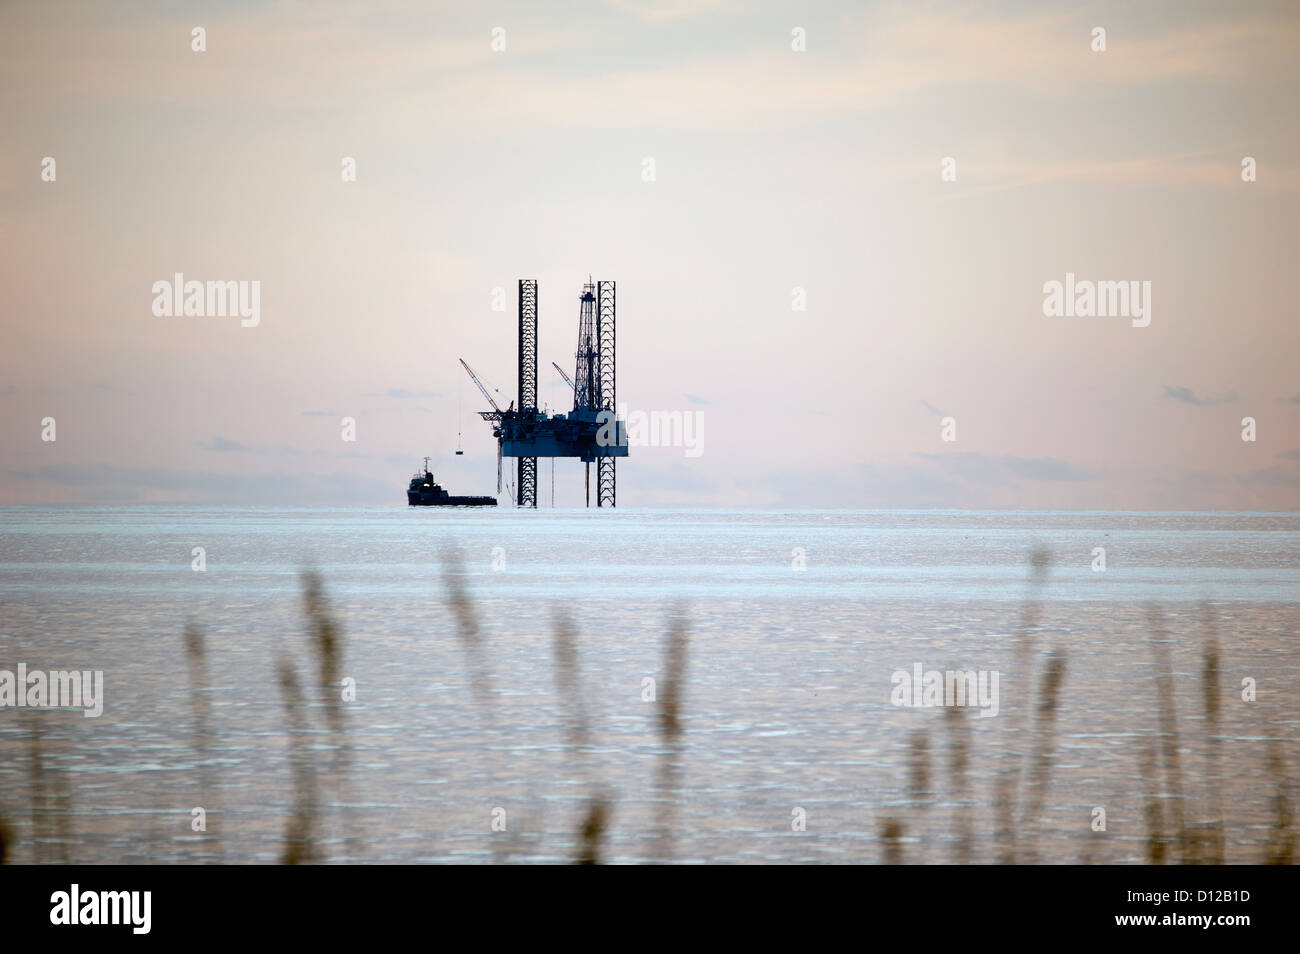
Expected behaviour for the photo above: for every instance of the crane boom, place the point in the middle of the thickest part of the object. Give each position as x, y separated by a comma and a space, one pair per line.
479, 384
564, 374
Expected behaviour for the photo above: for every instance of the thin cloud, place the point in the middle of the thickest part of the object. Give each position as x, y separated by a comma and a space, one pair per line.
673, 9
1188, 396
748, 83
1046, 468
1006, 469
1274, 477
1207, 169
221, 444
107, 484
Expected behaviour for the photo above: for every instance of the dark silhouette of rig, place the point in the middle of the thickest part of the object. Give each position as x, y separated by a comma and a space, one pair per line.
592, 430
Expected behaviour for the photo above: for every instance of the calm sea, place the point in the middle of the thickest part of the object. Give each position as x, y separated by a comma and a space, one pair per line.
797, 623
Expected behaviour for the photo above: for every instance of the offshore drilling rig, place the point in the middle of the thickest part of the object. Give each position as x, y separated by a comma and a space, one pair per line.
591, 431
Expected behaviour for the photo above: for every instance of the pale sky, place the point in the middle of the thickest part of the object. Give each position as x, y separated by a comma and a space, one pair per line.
774, 170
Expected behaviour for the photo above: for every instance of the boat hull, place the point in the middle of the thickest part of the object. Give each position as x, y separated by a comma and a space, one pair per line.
446, 500
424, 491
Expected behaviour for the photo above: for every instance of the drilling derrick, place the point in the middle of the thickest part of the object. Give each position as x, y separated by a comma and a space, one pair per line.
591, 431
586, 386
587, 371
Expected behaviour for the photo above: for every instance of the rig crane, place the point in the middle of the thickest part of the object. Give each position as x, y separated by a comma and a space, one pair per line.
493, 417
564, 374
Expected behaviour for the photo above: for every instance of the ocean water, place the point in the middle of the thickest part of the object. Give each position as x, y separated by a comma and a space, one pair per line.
796, 623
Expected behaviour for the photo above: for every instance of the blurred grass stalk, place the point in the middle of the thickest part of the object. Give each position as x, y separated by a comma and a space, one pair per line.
300, 838
209, 799
327, 642
572, 704
669, 694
